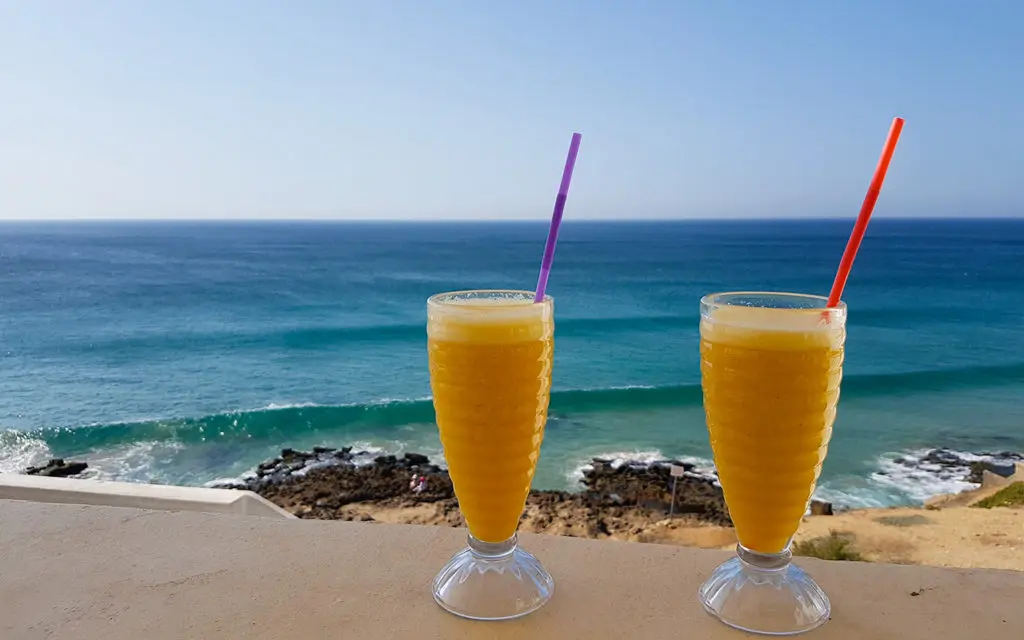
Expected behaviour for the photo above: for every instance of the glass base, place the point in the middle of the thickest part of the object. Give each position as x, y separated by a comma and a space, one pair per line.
493, 581
765, 593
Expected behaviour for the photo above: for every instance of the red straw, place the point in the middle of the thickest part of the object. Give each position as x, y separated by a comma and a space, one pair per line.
865, 213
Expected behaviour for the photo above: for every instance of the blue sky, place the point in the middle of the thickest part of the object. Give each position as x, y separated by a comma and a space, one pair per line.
464, 109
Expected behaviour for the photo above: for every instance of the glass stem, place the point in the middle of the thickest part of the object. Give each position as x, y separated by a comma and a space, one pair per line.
492, 550
764, 563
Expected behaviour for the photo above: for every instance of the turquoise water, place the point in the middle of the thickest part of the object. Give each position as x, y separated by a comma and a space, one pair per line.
186, 353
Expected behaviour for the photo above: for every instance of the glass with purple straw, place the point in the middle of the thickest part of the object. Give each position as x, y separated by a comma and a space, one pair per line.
491, 354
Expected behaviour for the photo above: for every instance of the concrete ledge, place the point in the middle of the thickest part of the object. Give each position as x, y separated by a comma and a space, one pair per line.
119, 574
139, 496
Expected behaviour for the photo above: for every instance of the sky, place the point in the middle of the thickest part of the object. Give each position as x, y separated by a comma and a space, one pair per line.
464, 109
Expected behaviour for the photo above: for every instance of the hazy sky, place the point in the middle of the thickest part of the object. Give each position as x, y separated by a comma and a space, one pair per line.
464, 109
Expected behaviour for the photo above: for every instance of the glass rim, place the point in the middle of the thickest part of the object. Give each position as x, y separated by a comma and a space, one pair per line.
439, 300
720, 299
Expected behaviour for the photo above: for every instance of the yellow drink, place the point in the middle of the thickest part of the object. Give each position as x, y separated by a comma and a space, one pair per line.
771, 384
490, 374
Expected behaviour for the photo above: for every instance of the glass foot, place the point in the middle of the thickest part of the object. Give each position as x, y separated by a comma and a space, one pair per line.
493, 581
765, 593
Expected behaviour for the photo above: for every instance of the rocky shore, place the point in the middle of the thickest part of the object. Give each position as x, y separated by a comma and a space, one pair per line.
614, 496
968, 468
616, 500
631, 501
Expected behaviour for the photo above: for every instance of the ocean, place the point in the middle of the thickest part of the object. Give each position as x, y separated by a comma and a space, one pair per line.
186, 353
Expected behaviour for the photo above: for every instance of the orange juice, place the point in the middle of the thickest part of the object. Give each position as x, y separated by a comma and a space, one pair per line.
771, 384
490, 374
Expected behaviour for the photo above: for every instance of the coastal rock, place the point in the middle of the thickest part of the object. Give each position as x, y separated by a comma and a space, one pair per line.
947, 464
943, 458
649, 486
321, 483
341, 484
1004, 467
57, 468
238, 485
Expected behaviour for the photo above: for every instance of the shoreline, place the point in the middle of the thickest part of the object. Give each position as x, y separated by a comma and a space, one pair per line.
617, 500
630, 502
229, 445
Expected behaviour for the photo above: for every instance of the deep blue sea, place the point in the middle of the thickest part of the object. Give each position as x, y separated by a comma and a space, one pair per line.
189, 352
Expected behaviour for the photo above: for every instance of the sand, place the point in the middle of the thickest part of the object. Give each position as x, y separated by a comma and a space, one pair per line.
958, 536
955, 536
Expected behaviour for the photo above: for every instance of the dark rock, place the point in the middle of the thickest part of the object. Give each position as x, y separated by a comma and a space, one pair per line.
976, 471
687, 466
611, 493
650, 486
943, 457
1000, 468
1015, 456
319, 450
821, 508
238, 485
268, 466
57, 468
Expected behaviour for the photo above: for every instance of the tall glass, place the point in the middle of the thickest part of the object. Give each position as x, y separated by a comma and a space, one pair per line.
490, 358
771, 364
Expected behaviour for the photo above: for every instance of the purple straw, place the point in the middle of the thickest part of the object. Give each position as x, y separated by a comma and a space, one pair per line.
556, 218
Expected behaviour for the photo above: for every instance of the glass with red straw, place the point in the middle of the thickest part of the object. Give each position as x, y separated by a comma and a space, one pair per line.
771, 366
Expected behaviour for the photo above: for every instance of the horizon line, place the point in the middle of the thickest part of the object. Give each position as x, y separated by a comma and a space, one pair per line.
101, 220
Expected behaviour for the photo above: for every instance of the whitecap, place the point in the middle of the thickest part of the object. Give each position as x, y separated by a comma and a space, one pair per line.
703, 468
20, 450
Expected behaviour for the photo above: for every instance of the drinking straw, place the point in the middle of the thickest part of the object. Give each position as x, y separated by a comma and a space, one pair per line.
556, 218
865, 213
